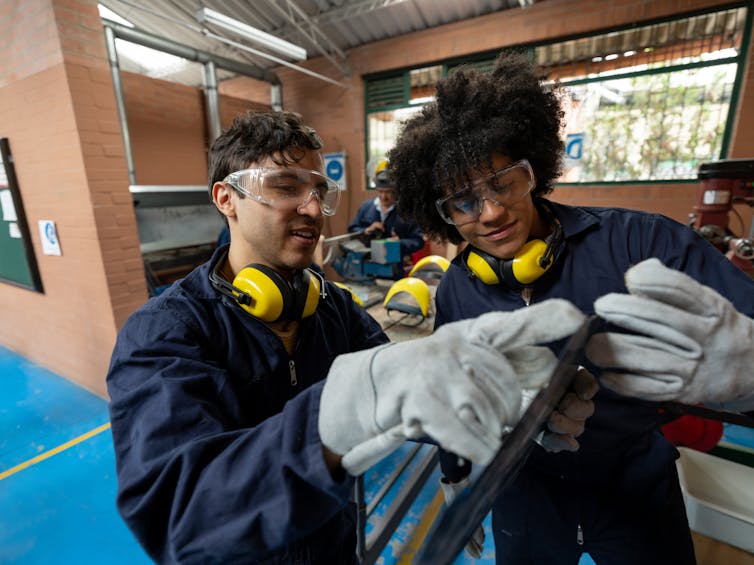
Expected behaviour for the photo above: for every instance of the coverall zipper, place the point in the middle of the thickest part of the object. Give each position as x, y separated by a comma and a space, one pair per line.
526, 293
292, 369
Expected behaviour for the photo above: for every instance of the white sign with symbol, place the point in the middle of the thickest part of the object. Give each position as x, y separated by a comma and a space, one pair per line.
335, 168
49, 235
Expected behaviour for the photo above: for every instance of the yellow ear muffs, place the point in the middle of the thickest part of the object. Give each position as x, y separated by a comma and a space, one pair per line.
313, 286
259, 291
532, 261
266, 295
526, 265
482, 266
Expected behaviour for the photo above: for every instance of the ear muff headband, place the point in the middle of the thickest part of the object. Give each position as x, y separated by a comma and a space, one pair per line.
313, 286
263, 293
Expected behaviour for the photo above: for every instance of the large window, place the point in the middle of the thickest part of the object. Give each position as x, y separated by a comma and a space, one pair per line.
643, 104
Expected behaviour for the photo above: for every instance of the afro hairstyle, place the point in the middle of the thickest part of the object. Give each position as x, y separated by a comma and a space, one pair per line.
476, 115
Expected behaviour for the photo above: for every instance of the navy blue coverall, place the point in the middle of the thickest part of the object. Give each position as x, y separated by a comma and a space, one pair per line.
411, 237
217, 446
618, 495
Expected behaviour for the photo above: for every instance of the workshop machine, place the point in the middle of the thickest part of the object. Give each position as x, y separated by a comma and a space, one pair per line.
178, 230
358, 257
724, 184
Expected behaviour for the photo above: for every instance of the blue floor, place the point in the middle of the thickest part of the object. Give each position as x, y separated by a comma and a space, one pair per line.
57, 479
60, 509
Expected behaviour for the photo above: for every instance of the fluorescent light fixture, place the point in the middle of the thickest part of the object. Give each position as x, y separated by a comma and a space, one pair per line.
253, 34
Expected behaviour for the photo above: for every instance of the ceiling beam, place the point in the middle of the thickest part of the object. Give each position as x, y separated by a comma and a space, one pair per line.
297, 18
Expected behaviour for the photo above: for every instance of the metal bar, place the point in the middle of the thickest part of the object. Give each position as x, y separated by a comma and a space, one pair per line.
112, 57
738, 418
186, 52
314, 34
456, 524
383, 530
276, 97
278, 60
361, 518
212, 101
392, 478
150, 188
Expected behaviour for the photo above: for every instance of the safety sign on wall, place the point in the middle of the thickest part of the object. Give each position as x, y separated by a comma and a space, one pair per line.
49, 235
574, 146
335, 168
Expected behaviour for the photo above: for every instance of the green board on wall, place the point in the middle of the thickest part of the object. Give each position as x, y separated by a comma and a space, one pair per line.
18, 266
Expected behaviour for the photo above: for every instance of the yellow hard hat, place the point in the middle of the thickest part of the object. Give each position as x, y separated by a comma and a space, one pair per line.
430, 263
414, 287
381, 166
356, 299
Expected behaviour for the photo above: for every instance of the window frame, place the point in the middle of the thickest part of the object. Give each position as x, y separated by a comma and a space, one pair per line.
487, 57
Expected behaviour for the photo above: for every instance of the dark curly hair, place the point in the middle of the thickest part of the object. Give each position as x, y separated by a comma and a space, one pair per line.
474, 116
253, 136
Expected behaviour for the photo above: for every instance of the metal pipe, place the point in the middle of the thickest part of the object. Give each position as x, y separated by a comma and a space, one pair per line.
277, 60
112, 56
276, 96
211, 102
186, 52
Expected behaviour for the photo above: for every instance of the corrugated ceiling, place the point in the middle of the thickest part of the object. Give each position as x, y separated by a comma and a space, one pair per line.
323, 27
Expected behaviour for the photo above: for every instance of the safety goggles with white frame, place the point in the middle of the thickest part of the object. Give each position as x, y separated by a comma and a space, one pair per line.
287, 188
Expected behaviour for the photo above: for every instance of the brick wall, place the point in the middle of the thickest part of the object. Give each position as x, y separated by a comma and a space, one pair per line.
58, 111
168, 130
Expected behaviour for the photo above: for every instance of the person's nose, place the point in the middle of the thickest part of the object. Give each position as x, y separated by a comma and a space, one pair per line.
488, 208
310, 206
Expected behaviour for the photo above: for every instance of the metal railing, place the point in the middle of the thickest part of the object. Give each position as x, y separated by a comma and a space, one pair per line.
369, 547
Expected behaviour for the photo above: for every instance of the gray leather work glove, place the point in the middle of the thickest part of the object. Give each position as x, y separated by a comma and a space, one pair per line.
475, 546
461, 386
695, 347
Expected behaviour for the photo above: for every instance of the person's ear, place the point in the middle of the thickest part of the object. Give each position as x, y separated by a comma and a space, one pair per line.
221, 196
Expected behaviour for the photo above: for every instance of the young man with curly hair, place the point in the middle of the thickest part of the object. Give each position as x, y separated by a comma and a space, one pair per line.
476, 166
246, 397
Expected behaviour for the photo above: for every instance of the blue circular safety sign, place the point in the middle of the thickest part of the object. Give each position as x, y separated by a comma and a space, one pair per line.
334, 170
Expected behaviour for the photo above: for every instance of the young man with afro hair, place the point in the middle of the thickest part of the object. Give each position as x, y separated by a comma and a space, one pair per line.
476, 165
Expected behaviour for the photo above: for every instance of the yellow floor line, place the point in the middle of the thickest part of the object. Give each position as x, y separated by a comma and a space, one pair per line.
54, 451
417, 539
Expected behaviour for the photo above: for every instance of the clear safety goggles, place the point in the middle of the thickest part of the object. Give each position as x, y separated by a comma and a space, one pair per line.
287, 188
503, 187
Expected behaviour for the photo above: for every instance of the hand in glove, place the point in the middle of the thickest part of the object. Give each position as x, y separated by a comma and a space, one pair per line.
450, 491
461, 386
695, 347
566, 423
